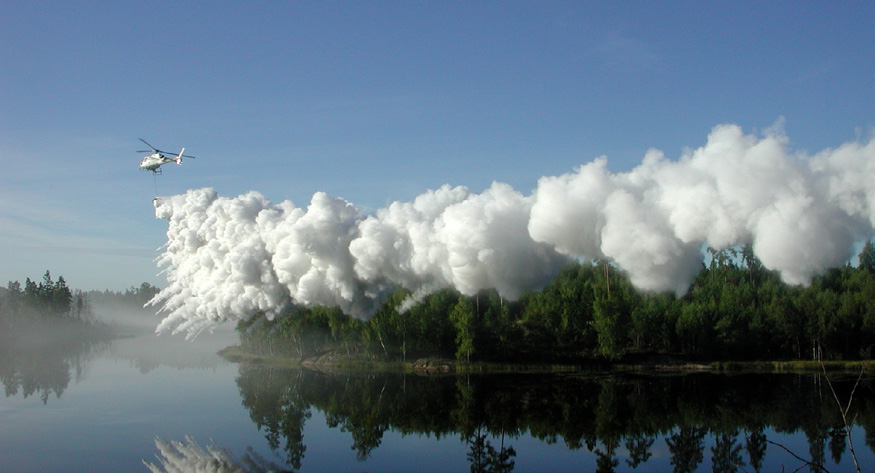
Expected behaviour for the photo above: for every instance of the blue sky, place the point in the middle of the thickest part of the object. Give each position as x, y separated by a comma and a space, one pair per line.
380, 101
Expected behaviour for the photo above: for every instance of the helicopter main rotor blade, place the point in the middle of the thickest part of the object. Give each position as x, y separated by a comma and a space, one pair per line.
159, 151
171, 153
147, 144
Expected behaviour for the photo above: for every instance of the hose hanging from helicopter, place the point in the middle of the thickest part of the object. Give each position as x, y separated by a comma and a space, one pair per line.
154, 161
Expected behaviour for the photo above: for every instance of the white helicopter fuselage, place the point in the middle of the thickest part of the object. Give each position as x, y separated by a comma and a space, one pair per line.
156, 160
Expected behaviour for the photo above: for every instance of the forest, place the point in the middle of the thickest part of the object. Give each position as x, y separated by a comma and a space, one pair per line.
46, 298
735, 309
53, 299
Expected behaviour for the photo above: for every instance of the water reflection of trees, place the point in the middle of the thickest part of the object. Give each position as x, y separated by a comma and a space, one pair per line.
601, 414
485, 458
41, 358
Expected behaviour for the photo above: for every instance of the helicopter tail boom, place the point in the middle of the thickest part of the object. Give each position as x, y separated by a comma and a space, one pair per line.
179, 158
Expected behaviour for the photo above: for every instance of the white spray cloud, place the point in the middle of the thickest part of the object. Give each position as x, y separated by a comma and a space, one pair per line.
228, 258
453, 238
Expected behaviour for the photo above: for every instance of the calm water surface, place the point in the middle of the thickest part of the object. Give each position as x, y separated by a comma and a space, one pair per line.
162, 404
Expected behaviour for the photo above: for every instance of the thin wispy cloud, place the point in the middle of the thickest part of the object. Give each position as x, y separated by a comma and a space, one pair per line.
623, 51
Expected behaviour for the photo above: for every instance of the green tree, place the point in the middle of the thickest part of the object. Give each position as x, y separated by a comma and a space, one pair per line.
139, 296
818, 304
429, 326
464, 319
866, 301
784, 315
651, 322
61, 298
540, 324
345, 330
13, 298
867, 257
612, 303
734, 309
388, 328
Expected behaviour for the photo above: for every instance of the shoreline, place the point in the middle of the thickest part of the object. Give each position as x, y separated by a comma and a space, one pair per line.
332, 361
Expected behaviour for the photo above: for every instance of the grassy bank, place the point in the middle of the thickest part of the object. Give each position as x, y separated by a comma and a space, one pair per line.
795, 366
335, 361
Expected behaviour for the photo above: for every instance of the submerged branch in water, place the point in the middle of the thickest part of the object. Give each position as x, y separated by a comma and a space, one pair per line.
844, 411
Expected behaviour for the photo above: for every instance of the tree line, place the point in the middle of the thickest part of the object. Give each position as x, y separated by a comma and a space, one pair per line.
133, 297
735, 309
51, 298
48, 297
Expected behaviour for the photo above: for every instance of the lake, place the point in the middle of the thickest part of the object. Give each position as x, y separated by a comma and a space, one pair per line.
150, 403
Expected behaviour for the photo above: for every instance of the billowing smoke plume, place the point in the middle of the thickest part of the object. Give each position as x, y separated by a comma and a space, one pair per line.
228, 258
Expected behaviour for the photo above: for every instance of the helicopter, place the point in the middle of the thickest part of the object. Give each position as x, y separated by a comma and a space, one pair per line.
154, 161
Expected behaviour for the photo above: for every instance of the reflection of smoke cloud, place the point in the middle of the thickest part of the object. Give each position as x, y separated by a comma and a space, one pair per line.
227, 258
189, 457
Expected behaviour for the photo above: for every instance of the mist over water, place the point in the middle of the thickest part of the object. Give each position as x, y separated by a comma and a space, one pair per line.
43, 355
227, 258
137, 342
